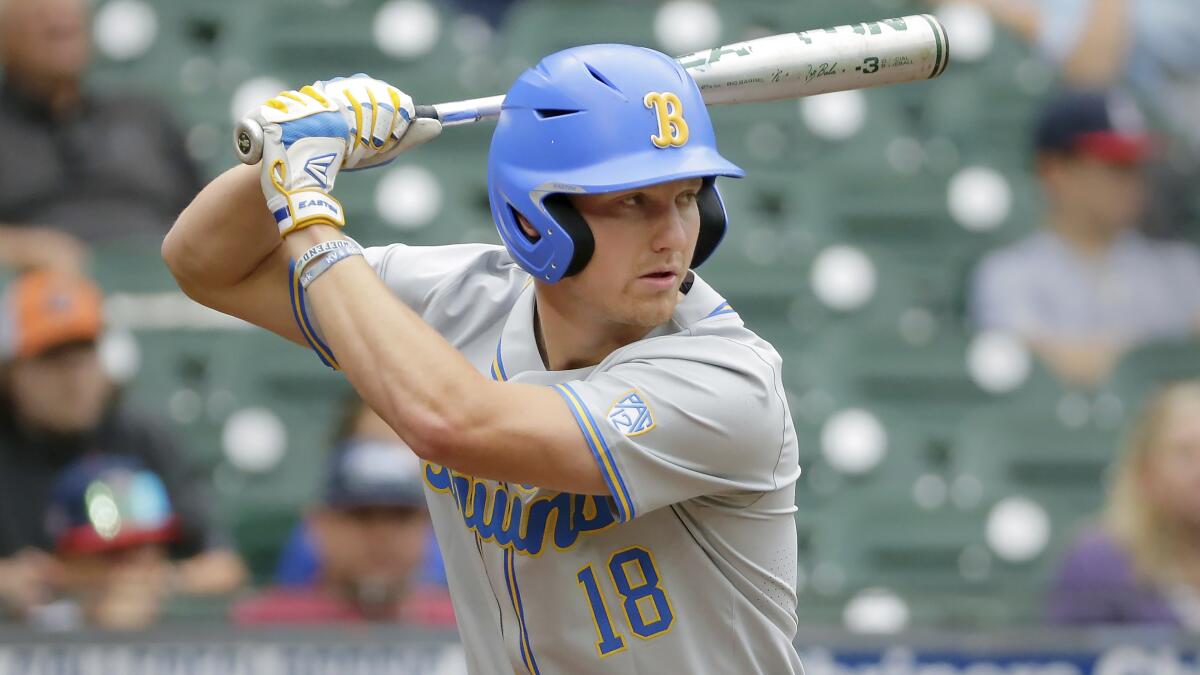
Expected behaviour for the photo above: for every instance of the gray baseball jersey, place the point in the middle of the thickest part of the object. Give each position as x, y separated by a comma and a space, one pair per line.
690, 565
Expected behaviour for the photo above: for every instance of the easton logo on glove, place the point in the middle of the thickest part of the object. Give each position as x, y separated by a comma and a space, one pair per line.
314, 203
318, 168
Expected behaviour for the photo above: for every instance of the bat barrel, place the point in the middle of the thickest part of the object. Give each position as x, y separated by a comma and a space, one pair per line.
792, 65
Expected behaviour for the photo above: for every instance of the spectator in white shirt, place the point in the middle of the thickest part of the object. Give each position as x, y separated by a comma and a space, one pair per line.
1089, 285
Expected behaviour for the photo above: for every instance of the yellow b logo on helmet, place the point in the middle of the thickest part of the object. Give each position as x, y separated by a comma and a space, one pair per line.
672, 129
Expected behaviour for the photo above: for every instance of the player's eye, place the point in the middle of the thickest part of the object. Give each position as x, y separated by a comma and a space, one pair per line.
634, 200
688, 197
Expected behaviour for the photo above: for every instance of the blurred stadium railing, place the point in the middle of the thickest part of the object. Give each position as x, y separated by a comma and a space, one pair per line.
331, 650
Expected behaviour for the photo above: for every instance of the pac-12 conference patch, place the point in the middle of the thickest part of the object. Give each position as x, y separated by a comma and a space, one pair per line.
631, 416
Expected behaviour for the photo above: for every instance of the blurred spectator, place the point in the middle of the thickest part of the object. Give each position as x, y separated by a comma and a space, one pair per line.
300, 563
58, 405
1148, 46
491, 11
1142, 563
1089, 284
79, 166
1101, 44
111, 521
364, 552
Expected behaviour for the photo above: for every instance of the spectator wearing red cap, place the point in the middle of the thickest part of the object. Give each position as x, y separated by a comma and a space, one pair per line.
110, 521
58, 405
1089, 284
1148, 47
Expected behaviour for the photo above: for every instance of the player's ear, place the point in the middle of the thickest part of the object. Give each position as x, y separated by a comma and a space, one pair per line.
527, 228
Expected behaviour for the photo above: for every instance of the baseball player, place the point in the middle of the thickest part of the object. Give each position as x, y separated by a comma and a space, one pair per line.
608, 453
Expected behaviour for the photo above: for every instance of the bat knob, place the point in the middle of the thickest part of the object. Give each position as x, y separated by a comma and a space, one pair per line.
248, 141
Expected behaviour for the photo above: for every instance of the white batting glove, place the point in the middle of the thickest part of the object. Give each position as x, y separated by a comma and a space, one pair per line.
382, 119
311, 134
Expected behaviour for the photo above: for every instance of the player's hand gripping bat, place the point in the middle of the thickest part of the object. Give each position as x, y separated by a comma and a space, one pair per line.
789, 65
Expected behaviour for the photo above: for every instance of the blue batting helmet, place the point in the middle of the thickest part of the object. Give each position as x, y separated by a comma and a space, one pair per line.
592, 119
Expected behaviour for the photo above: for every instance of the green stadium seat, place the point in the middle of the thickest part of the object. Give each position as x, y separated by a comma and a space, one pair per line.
173, 383
265, 368
260, 528
464, 214
893, 543
255, 369
929, 379
535, 28
1029, 450
132, 266
936, 560
964, 101
1146, 368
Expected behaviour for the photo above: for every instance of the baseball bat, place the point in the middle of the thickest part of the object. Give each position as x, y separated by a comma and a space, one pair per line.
789, 65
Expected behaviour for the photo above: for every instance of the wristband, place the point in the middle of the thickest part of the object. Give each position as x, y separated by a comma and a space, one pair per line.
328, 260
320, 249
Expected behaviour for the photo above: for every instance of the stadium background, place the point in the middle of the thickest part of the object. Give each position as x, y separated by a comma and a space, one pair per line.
944, 470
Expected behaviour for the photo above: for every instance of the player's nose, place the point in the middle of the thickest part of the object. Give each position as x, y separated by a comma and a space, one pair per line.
670, 230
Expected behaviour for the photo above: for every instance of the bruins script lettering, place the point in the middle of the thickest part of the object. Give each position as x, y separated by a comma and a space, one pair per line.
527, 524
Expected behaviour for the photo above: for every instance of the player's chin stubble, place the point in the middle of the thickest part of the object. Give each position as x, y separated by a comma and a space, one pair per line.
638, 309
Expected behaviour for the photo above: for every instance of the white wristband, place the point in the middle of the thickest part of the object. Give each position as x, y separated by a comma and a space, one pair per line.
329, 260
312, 254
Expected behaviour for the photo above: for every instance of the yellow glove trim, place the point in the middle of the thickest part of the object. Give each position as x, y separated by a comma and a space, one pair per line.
292, 95
398, 105
309, 90
280, 169
374, 119
358, 117
278, 175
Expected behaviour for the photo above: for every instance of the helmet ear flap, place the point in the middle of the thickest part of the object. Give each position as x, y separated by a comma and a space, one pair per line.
712, 221
572, 222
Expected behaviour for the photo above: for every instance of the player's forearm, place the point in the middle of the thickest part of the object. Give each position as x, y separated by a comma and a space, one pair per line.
1079, 363
404, 369
1103, 45
223, 235
1019, 17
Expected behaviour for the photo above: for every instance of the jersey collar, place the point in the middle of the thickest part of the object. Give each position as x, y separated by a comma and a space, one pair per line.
517, 353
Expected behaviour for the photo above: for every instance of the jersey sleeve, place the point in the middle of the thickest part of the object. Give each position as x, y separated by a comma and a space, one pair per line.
668, 428
422, 275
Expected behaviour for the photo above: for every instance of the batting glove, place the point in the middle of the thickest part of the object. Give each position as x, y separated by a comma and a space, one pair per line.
311, 134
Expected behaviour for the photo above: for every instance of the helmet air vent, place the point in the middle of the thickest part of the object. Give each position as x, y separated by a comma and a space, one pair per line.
547, 113
603, 80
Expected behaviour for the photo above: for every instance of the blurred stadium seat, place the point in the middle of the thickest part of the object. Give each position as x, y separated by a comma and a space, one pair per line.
1048, 459
1146, 368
